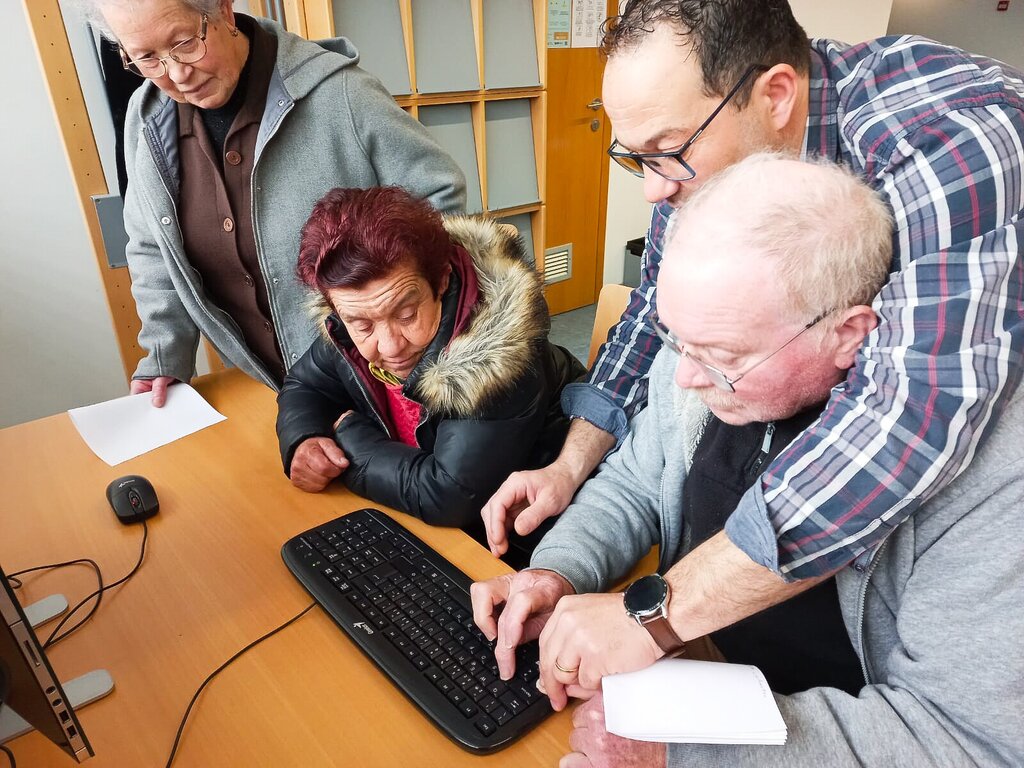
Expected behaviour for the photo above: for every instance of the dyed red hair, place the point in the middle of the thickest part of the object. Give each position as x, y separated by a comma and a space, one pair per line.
355, 236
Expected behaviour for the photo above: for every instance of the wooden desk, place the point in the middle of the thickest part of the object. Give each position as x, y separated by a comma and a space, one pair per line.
213, 581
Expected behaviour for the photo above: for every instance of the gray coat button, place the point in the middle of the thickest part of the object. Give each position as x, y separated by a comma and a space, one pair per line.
165, 220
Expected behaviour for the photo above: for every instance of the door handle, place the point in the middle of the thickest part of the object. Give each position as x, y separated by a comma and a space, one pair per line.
595, 105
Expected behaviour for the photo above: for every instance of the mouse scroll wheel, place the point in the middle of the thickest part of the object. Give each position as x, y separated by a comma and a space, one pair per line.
134, 499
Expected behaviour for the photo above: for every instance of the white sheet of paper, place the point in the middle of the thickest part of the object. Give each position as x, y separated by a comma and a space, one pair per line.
129, 426
693, 702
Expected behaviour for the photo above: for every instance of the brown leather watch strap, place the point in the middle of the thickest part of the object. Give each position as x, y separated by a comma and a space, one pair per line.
665, 636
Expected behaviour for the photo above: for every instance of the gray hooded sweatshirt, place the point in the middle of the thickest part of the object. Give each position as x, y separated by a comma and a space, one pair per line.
936, 615
326, 124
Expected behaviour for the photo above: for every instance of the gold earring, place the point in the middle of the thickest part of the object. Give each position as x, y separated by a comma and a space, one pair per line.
234, 31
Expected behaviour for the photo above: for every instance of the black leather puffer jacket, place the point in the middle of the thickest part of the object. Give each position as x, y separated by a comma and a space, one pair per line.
489, 384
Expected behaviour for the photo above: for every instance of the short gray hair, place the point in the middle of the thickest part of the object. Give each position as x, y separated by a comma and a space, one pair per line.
92, 11
830, 235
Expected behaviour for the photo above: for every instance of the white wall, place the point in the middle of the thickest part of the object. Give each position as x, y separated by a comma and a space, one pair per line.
56, 338
974, 25
629, 214
851, 22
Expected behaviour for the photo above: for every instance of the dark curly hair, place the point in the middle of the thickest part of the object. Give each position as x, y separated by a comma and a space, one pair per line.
726, 36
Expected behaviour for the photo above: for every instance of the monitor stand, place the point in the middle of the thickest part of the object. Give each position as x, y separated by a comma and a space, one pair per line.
78, 692
47, 609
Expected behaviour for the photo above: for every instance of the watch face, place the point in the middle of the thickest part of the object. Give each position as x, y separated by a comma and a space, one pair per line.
645, 596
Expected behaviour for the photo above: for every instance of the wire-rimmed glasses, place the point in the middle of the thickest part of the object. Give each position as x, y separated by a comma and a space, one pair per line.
186, 52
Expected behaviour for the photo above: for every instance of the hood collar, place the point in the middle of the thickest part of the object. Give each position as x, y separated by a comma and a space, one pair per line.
493, 318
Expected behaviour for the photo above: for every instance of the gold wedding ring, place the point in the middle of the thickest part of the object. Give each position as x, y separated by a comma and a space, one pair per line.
560, 668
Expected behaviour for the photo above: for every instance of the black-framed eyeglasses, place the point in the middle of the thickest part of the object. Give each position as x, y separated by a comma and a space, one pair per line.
671, 165
717, 376
186, 52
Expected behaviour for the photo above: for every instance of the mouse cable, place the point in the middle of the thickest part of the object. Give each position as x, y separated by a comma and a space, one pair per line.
10, 756
55, 638
16, 583
218, 670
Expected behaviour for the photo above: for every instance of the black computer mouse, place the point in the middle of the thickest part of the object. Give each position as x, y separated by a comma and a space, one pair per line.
132, 498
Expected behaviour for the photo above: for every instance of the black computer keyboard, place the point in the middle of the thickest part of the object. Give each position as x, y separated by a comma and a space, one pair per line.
408, 609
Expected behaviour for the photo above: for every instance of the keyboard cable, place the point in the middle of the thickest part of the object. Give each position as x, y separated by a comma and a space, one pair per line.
221, 668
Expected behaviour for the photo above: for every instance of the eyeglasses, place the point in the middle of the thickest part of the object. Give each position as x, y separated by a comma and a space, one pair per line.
671, 165
186, 52
718, 377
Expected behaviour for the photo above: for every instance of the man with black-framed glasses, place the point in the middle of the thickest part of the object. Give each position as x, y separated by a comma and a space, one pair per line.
939, 133
861, 664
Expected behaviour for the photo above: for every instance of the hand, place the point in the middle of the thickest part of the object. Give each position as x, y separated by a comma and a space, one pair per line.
594, 747
528, 598
524, 501
316, 462
590, 636
341, 419
158, 386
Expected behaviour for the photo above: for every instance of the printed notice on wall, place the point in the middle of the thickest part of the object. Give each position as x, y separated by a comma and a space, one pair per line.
587, 16
558, 23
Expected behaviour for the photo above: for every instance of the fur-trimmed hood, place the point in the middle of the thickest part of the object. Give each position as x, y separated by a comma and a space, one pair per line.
507, 324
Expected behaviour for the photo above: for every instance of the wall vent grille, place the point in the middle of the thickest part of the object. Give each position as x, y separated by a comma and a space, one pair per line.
558, 264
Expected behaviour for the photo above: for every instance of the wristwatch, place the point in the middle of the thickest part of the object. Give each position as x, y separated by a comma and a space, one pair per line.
646, 601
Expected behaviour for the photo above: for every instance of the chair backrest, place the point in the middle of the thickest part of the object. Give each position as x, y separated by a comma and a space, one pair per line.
610, 305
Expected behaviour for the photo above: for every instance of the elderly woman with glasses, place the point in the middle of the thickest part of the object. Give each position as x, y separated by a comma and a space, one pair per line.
433, 379
240, 128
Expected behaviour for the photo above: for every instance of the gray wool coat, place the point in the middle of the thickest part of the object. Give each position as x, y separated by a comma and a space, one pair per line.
326, 124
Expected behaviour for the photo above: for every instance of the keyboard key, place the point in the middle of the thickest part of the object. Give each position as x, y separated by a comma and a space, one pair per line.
527, 692
500, 715
456, 697
515, 706
476, 692
488, 703
468, 708
434, 652
485, 725
404, 567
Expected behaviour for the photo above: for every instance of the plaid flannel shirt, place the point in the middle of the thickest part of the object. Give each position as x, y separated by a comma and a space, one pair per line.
940, 134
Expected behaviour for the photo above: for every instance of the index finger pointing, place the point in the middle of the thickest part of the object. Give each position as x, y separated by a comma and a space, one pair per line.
522, 604
493, 515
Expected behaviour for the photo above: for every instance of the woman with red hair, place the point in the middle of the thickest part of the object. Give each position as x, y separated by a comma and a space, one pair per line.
433, 379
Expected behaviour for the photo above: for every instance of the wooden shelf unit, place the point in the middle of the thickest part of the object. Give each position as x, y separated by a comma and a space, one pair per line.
315, 19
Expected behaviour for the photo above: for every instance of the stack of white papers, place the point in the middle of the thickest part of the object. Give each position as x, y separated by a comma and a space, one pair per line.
122, 429
693, 702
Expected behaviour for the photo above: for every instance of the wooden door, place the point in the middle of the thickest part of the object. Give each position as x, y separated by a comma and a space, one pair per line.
577, 173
